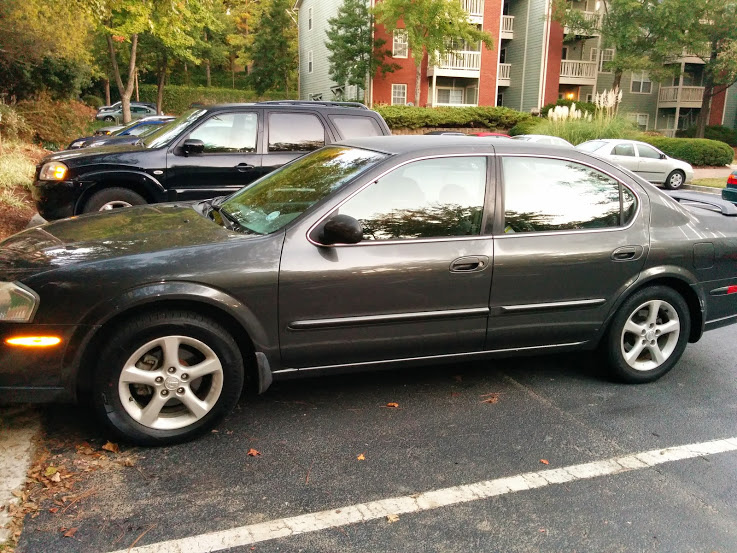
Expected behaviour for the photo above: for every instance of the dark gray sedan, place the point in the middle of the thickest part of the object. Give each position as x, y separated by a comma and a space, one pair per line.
376, 252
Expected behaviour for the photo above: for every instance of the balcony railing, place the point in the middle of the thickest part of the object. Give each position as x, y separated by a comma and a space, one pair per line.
464, 60
505, 70
507, 26
689, 96
583, 70
592, 19
475, 8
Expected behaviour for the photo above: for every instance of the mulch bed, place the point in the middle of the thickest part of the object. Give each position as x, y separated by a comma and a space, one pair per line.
15, 219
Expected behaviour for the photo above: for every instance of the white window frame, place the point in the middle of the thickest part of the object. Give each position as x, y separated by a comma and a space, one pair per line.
309, 19
397, 91
606, 52
594, 54
643, 78
564, 53
640, 119
310, 62
400, 46
451, 91
589, 98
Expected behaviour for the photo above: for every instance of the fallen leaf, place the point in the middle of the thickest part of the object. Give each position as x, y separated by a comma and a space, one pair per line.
70, 533
50, 471
85, 449
111, 447
544, 461
392, 518
54, 509
490, 398
361, 457
56, 477
455, 394
253, 453
128, 462
395, 405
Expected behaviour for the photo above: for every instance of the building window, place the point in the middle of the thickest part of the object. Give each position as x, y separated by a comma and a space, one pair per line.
641, 83
449, 96
309, 19
400, 48
606, 55
309, 61
564, 53
399, 94
594, 54
503, 55
500, 99
642, 119
589, 98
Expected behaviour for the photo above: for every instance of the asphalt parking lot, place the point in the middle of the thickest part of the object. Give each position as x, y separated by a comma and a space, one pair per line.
336, 444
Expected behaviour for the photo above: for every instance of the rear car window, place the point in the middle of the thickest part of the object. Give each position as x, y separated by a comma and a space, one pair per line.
591, 145
295, 132
351, 126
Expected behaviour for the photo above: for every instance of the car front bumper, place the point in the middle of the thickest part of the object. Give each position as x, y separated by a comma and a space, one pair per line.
56, 199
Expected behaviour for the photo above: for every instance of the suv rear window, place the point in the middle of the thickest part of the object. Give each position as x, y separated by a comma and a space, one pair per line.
351, 126
295, 132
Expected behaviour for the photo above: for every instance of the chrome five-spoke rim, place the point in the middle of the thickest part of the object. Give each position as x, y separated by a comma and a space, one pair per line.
115, 204
170, 382
650, 335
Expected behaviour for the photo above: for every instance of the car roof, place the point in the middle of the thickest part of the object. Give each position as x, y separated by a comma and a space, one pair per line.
294, 105
406, 144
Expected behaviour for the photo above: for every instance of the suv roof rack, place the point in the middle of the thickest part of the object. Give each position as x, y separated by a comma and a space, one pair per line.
716, 204
313, 103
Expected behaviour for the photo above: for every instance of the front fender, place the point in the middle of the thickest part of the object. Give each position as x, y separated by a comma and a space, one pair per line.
134, 178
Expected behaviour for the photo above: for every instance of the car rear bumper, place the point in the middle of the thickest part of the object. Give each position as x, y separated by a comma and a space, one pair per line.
729, 194
57, 199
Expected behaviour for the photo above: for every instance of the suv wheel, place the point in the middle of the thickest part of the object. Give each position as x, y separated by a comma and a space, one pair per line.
113, 198
167, 377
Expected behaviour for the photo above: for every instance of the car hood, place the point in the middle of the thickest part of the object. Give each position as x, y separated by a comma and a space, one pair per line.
100, 236
103, 154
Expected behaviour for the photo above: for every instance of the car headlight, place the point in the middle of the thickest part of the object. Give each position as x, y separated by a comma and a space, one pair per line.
53, 170
17, 302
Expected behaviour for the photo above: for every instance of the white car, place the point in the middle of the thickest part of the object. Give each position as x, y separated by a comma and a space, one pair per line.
543, 139
642, 159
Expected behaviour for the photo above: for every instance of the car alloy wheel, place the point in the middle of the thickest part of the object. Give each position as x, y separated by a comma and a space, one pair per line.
650, 335
109, 206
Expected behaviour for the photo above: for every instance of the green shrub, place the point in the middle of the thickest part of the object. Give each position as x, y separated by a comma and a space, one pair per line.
415, 117
577, 131
712, 132
525, 127
696, 151
585, 107
177, 99
12, 124
55, 123
93, 101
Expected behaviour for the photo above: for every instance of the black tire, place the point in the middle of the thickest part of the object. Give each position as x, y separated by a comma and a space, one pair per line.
174, 422
108, 118
676, 179
673, 312
112, 198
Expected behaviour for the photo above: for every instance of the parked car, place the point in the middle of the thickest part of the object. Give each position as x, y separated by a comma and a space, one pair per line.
118, 105
644, 160
137, 112
206, 152
125, 135
445, 133
369, 253
108, 130
730, 192
543, 139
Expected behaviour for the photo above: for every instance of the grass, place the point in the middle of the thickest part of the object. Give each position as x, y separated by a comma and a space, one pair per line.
577, 131
713, 182
16, 173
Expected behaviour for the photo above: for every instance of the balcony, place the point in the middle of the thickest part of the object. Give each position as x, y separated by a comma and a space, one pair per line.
592, 18
577, 72
475, 9
507, 27
504, 73
458, 63
680, 96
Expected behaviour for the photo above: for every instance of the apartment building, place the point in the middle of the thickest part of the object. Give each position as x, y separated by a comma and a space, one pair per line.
531, 65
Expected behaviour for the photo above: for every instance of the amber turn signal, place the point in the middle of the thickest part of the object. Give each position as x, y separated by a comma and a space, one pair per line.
33, 341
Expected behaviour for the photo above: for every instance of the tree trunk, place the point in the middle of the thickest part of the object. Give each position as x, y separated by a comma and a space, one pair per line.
207, 73
232, 70
704, 112
106, 86
127, 90
418, 82
617, 79
186, 74
160, 88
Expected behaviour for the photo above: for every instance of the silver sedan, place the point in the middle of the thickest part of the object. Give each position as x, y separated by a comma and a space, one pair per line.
643, 159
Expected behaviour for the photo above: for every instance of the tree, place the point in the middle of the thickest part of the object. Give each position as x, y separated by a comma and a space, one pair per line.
432, 26
707, 29
274, 50
355, 55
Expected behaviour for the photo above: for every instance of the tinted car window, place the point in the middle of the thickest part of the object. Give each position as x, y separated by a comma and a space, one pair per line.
228, 132
168, 132
351, 127
550, 194
295, 132
623, 150
424, 199
647, 151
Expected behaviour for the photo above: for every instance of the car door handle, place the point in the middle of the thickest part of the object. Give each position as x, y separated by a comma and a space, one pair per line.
243, 167
627, 253
469, 264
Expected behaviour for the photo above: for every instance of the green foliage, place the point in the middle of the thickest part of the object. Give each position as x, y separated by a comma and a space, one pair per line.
177, 99
55, 123
712, 132
93, 101
414, 117
696, 151
525, 127
577, 131
585, 107
274, 51
12, 124
355, 55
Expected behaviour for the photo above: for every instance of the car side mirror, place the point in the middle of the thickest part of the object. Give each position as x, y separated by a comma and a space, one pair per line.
340, 229
663, 156
193, 146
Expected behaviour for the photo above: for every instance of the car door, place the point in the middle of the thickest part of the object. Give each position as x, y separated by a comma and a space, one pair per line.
572, 239
652, 167
230, 159
416, 286
291, 134
624, 154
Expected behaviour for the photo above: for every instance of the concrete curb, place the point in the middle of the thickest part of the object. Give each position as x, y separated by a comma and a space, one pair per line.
705, 189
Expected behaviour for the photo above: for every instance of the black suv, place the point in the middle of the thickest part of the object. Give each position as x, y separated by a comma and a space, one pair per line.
208, 151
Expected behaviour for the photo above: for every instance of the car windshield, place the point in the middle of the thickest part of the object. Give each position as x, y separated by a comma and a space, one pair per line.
591, 145
126, 128
280, 197
166, 133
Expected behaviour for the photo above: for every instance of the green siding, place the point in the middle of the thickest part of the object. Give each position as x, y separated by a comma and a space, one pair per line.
730, 109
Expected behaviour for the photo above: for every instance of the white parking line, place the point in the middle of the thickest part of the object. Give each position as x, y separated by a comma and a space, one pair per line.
363, 512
